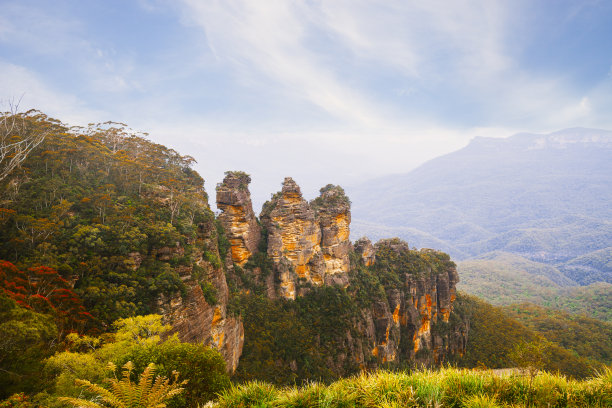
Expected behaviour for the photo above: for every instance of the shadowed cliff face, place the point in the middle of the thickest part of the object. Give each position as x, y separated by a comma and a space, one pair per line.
193, 317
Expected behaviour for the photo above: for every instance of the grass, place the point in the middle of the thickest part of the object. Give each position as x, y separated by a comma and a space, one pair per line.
447, 387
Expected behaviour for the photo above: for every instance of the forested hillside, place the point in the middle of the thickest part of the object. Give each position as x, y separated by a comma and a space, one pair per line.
109, 253
104, 208
502, 278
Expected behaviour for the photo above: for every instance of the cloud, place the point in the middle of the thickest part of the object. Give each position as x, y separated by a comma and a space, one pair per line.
20, 83
271, 39
452, 58
349, 88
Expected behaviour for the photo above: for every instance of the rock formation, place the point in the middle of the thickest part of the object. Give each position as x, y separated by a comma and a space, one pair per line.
195, 318
332, 212
237, 217
413, 323
405, 320
365, 249
308, 242
294, 239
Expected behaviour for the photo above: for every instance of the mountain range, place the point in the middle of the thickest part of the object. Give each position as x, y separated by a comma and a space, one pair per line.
544, 198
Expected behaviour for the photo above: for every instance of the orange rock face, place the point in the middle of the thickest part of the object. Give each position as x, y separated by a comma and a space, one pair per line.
293, 240
237, 217
412, 309
332, 209
308, 242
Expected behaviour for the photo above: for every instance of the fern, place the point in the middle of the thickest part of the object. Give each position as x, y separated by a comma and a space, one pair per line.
149, 392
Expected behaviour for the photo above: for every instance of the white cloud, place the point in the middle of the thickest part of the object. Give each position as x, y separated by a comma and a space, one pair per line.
343, 88
305, 50
270, 38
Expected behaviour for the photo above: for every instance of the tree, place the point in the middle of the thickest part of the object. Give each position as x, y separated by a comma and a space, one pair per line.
138, 340
531, 357
147, 393
26, 339
20, 133
43, 290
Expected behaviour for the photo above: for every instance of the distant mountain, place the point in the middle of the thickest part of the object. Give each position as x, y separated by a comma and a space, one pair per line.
592, 267
546, 198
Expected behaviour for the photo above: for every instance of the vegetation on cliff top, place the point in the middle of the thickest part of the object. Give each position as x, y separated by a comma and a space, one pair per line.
110, 211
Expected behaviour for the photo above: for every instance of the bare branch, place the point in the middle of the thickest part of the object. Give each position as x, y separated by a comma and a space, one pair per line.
17, 139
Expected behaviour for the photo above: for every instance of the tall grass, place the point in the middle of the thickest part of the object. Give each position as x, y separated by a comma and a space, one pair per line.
447, 387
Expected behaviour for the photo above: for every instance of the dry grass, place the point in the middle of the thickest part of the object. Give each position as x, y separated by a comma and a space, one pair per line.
448, 387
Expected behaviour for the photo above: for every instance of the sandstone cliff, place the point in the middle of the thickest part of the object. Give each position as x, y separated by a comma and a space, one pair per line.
308, 242
406, 322
403, 298
237, 216
332, 212
294, 240
413, 323
200, 316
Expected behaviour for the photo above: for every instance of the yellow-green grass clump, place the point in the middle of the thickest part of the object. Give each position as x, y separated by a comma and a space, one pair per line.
448, 387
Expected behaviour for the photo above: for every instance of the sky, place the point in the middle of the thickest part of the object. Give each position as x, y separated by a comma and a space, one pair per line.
325, 91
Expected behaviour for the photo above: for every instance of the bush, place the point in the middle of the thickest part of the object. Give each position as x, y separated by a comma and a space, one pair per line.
203, 367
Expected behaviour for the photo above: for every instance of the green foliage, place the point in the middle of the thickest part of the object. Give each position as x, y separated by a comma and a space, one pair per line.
203, 367
144, 330
289, 341
593, 301
213, 259
210, 292
365, 286
262, 261
493, 337
492, 334
19, 400
148, 392
168, 282
395, 261
222, 241
116, 213
330, 196
448, 387
278, 336
140, 340
587, 337
26, 339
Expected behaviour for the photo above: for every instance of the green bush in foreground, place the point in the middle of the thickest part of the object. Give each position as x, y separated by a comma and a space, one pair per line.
448, 387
